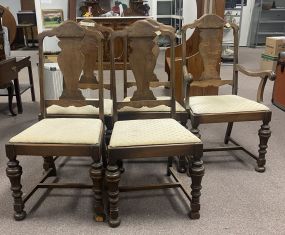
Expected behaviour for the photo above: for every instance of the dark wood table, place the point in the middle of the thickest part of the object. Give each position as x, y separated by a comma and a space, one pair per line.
8, 74
9, 69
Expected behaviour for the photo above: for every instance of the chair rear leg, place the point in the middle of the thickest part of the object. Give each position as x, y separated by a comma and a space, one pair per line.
181, 164
49, 164
14, 173
181, 161
96, 174
169, 164
196, 171
112, 180
264, 134
195, 130
228, 132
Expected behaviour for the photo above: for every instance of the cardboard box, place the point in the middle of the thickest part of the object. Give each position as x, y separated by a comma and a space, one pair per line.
274, 45
268, 62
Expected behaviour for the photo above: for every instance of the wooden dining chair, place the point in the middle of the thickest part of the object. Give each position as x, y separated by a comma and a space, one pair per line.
88, 76
224, 108
156, 83
150, 137
69, 137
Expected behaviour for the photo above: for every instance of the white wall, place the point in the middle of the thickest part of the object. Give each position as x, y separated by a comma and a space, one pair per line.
246, 20
50, 44
13, 5
189, 13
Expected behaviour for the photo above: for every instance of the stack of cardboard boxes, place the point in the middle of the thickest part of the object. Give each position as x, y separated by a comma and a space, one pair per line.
274, 45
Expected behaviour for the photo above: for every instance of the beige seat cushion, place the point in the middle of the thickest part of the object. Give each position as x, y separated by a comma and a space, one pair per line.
224, 104
150, 132
84, 110
62, 131
160, 108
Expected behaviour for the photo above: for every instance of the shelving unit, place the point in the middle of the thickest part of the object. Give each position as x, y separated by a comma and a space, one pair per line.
233, 13
170, 12
267, 21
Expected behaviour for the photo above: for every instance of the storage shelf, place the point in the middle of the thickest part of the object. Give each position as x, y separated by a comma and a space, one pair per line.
271, 33
266, 22
233, 9
275, 9
170, 16
272, 22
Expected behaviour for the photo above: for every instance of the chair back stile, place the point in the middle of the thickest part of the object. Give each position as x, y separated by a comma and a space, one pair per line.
74, 42
235, 29
140, 43
210, 28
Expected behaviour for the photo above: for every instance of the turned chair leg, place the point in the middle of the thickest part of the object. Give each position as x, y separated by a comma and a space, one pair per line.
49, 164
96, 174
196, 171
264, 134
14, 172
228, 132
112, 180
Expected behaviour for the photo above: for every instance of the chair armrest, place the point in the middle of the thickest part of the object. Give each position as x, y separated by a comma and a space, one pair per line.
188, 79
258, 73
263, 74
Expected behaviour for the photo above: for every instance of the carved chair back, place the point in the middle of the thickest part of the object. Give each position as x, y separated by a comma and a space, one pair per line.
74, 41
154, 80
210, 28
140, 44
91, 62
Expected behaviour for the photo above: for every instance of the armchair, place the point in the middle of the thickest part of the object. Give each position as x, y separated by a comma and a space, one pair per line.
224, 108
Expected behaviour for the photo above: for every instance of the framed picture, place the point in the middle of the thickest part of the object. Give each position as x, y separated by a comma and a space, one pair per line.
52, 18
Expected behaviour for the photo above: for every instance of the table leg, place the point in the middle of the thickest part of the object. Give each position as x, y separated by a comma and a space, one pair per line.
18, 95
31, 82
25, 36
10, 98
32, 34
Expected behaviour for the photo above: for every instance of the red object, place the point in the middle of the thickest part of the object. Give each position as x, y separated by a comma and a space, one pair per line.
278, 97
116, 9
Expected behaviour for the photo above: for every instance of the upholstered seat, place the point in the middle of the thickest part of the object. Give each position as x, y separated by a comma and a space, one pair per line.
150, 132
84, 110
222, 108
62, 131
224, 104
160, 108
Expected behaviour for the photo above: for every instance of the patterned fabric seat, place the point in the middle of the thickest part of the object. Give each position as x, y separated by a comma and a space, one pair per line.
224, 104
62, 131
150, 132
